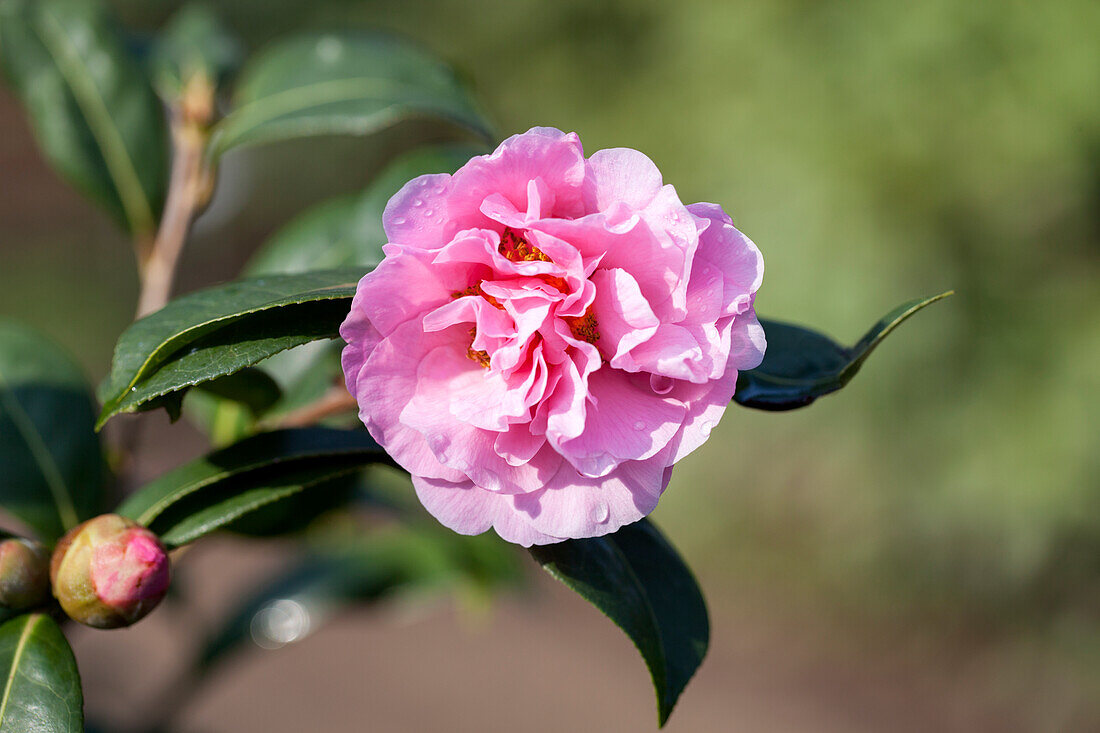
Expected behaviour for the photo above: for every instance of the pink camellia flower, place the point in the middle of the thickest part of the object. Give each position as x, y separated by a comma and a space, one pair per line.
547, 335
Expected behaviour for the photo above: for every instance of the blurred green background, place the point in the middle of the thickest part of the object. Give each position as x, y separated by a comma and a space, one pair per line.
875, 151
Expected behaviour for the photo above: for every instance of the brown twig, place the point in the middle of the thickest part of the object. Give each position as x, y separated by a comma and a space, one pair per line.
335, 401
189, 188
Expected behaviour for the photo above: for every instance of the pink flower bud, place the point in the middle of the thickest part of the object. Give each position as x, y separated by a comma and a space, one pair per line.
109, 572
24, 574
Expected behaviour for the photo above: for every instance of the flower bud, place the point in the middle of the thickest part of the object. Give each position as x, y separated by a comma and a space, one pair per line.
109, 572
24, 573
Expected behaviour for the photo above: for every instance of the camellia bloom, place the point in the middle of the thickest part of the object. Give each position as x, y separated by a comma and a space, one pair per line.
547, 335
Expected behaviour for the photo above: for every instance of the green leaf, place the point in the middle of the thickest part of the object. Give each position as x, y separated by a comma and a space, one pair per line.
41, 692
194, 42
801, 365
637, 579
210, 492
219, 331
361, 570
92, 108
348, 230
52, 468
341, 84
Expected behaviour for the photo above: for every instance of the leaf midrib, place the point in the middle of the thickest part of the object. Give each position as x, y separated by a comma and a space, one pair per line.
120, 167
20, 648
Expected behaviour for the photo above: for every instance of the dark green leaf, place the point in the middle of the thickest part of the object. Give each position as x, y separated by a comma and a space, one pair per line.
348, 230
52, 468
91, 106
219, 331
362, 570
212, 491
194, 42
638, 580
41, 692
341, 84
801, 365
252, 388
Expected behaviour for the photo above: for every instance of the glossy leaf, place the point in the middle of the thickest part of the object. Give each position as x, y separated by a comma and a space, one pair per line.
92, 108
41, 692
217, 332
213, 491
52, 468
637, 579
341, 84
194, 42
363, 569
801, 365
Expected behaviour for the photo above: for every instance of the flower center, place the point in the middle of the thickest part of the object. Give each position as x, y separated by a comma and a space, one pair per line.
515, 247
481, 357
583, 327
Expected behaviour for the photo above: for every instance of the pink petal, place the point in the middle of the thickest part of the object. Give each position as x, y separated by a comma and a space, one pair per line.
627, 423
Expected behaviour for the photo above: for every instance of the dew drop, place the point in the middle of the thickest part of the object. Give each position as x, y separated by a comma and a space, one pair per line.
399, 220
418, 202
639, 425
438, 445
429, 212
600, 512
329, 49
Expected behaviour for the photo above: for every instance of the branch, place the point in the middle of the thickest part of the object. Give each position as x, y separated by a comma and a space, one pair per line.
335, 401
189, 190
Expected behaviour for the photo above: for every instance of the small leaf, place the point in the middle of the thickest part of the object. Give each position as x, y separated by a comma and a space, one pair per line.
194, 42
637, 579
210, 492
801, 365
91, 106
41, 692
52, 468
219, 331
341, 84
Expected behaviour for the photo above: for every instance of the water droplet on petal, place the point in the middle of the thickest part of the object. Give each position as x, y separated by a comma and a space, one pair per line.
438, 445
600, 512
399, 220
418, 202
639, 425
429, 213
